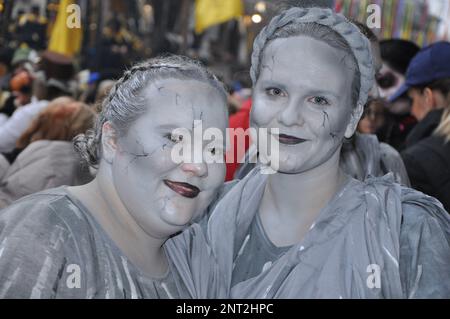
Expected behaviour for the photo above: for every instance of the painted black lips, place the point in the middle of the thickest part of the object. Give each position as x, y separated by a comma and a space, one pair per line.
290, 140
184, 189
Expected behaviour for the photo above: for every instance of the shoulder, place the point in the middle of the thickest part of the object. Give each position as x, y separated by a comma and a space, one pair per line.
429, 156
389, 151
36, 243
419, 208
35, 213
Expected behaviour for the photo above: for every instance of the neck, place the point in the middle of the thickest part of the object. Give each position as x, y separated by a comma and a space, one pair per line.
292, 202
102, 200
306, 190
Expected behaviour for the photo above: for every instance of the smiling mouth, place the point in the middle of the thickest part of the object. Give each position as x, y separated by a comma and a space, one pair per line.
290, 140
183, 189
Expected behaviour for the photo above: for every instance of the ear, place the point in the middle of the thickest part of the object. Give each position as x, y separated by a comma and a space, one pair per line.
355, 116
429, 98
109, 142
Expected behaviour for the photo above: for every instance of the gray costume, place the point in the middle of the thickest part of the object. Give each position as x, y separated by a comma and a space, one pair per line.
49, 238
364, 156
372, 228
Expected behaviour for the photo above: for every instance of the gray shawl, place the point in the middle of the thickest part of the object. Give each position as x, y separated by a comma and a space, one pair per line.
357, 232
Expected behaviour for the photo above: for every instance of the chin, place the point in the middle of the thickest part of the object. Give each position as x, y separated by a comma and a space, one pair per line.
289, 168
178, 220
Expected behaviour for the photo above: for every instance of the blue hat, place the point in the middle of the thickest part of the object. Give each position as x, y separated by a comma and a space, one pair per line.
430, 64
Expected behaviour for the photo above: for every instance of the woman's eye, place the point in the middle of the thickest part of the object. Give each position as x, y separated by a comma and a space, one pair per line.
216, 151
319, 100
174, 138
274, 92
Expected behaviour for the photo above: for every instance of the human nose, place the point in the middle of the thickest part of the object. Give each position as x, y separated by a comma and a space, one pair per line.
196, 169
291, 115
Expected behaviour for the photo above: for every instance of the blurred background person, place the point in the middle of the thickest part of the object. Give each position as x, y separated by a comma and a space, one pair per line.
396, 55
427, 84
428, 162
374, 117
51, 79
44, 156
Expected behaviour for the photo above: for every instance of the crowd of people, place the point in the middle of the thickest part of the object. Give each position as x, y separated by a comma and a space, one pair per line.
87, 178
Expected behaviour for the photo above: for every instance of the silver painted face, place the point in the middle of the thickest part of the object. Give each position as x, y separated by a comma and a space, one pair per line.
304, 90
162, 196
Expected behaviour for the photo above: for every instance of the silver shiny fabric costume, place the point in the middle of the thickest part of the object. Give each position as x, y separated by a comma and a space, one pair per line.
372, 226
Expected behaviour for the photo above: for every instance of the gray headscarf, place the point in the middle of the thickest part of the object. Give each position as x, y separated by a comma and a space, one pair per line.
358, 43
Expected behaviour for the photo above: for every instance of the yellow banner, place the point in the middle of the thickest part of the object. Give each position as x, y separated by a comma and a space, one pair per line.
212, 12
67, 33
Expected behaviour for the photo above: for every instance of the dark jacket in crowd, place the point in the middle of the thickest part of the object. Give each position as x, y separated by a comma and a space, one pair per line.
424, 128
428, 166
395, 130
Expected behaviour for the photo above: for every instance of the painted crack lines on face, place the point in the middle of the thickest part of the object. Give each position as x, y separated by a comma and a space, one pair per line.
138, 155
325, 118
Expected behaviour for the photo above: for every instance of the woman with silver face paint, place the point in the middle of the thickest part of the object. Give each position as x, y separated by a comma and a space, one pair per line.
106, 239
309, 230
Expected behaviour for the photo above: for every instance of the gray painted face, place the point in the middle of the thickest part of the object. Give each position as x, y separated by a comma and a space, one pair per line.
304, 89
152, 187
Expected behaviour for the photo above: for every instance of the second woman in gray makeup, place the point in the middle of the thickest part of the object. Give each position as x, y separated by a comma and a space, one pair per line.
309, 230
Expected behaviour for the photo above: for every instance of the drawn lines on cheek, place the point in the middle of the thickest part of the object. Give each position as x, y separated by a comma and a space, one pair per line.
326, 118
141, 154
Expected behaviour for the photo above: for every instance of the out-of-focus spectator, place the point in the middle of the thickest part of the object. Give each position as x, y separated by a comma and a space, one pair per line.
20, 86
428, 163
118, 48
373, 117
47, 158
396, 55
427, 84
49, 83
364, 155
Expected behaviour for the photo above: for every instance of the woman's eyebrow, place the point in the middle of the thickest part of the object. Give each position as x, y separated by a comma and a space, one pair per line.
267, 83
171, 127
325, 93
310, 90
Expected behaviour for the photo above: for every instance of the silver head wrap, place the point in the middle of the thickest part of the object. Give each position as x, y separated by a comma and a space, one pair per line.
358, 43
